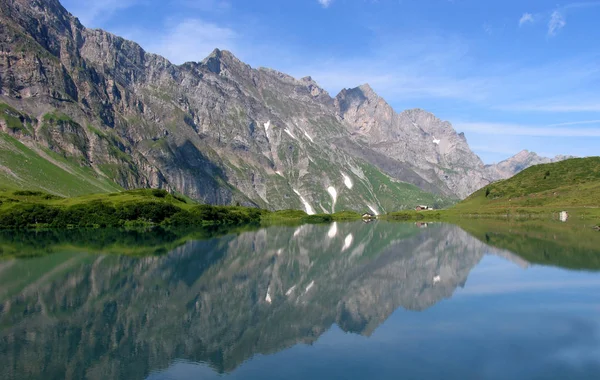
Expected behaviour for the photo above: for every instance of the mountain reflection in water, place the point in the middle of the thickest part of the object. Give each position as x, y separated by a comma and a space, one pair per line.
311, 301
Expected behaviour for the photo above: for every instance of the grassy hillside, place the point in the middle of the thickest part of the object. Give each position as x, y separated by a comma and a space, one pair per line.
572, 185
22, 167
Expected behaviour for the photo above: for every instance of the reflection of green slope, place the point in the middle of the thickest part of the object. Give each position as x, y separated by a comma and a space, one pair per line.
550, 243
15, 275
206, 300
158, 241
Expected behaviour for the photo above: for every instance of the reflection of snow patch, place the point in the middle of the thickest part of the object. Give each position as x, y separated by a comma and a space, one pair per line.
267, 125
290, 133
437, 279
297, 232
347, 242
290, 290
279, 251
307, 206
373, 210
332, 231
309, 286
436, 141
279, 173
268, 297
347, 181
333, 192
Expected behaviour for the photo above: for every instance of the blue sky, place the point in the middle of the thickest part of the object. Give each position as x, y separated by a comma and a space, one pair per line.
511, 74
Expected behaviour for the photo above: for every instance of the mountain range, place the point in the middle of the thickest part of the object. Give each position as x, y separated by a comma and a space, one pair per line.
85, 111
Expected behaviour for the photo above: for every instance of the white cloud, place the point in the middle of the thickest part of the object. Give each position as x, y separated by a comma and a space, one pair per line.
188, 40
526, 18
487, 28
525, 130
567, 105
325, 3
92, 13
556, 23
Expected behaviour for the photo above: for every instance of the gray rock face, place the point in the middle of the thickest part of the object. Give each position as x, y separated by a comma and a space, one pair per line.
428, 145
218, 131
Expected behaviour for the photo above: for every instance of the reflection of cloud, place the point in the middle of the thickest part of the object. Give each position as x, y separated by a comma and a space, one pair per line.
503, 288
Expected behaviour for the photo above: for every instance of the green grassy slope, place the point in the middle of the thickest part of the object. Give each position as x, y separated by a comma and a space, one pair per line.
22, 167
568, 185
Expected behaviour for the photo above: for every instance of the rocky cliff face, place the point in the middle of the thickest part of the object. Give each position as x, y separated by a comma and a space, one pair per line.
101, 110
414, 138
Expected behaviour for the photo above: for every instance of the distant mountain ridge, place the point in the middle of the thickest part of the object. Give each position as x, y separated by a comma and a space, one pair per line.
92, 112
521, 161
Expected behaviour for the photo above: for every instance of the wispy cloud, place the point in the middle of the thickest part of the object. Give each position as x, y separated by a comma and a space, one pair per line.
566, 105
526, 130
188, 40
556, 23
487, 28
92, 13
525, 19
325, 3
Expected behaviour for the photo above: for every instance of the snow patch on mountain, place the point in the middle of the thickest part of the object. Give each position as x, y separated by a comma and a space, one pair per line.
333, 192
290, 134
348, 181
308, 137
307, 206
290, 290
309, 286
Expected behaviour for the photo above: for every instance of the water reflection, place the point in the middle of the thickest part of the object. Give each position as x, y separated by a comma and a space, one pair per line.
222, 301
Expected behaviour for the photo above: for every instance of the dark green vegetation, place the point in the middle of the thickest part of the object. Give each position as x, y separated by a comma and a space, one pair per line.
148, 207
546, 243
572, 185
295, 217
137, 208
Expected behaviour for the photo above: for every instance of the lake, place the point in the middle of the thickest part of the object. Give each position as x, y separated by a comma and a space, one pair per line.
487, 300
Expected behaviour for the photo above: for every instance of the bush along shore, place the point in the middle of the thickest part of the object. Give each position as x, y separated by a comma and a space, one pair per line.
21, 209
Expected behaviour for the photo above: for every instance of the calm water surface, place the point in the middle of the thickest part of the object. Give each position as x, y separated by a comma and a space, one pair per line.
348, 301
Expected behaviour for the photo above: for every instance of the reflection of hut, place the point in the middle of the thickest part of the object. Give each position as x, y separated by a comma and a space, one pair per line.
422, 225
367, 216
564, 216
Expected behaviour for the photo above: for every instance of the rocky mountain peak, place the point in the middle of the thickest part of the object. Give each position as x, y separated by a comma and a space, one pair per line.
220, 60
